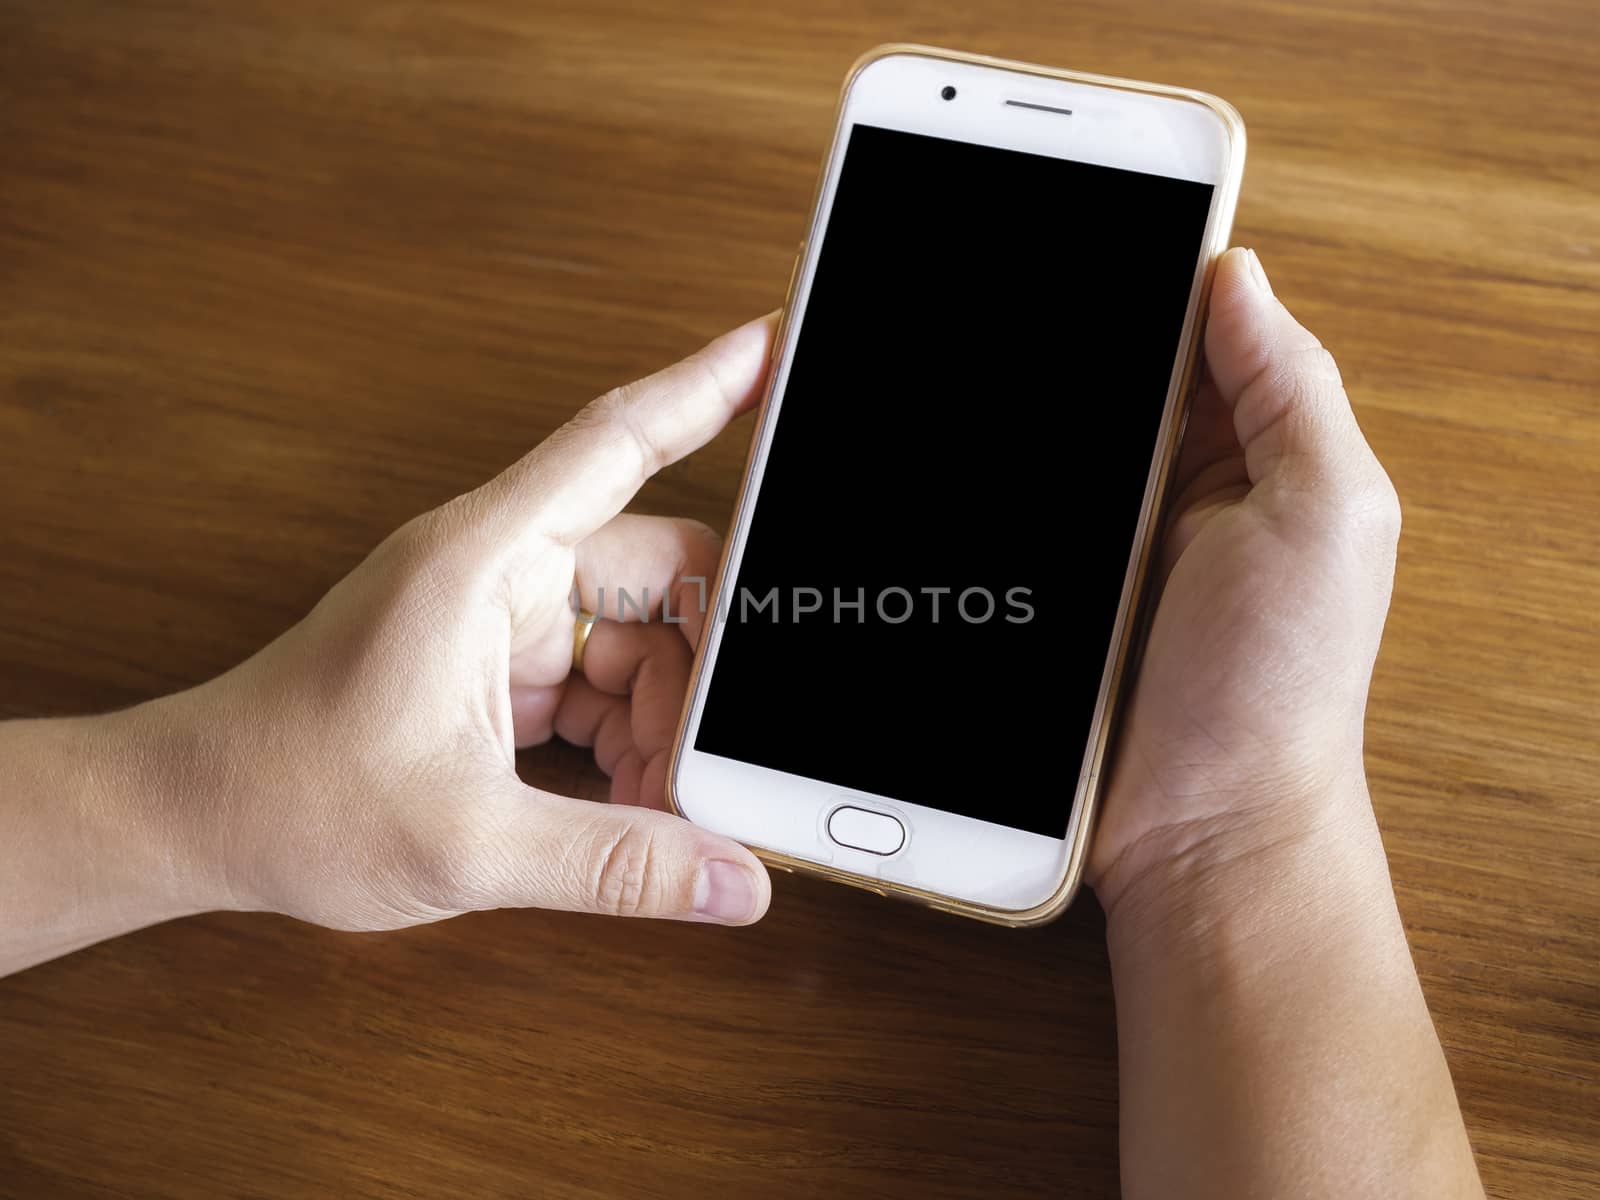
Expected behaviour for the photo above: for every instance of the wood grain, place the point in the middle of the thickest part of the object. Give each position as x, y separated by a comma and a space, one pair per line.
274, 277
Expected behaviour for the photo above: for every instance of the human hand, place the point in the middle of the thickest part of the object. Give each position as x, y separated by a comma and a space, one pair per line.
359, 772
1244, 727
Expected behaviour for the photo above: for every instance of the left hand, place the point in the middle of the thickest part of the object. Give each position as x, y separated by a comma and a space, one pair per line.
1242, 737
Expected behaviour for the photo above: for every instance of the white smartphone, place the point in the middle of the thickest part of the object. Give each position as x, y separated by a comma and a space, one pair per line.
933, 577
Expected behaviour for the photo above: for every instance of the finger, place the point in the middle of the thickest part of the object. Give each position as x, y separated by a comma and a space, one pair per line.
1210, 474
533, 711
555, 852
1187, 521
634, 568
588, 717
650, 663
1208, 442
649, 568
626, 778
1304, 451
580, 477
659, 688
641, 783
653, 783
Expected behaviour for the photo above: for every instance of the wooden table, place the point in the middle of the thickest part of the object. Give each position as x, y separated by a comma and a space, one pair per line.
275, 276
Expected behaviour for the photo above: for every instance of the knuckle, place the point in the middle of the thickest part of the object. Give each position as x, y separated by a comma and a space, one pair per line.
1385, 512
625, 879
616, 414
1367, 510
1297, 377
1319, 364
699, 531
446, 867
701, 546
423, 549
407, 590
704, 376
601, 412
413, 545
1309, 370
430, 560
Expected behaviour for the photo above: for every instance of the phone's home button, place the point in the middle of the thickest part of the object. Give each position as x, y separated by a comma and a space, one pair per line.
863, 829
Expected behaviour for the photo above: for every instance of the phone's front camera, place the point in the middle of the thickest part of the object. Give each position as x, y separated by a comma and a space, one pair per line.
948, 92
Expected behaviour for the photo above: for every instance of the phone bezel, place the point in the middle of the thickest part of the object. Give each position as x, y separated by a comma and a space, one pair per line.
962, 864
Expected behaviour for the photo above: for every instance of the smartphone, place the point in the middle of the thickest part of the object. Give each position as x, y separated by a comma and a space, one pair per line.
932, 582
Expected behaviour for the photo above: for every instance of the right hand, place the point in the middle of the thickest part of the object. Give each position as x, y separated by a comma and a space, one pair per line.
360, 771
1244, 728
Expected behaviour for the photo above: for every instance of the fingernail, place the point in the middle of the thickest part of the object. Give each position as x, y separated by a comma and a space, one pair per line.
724, 892
1259, 274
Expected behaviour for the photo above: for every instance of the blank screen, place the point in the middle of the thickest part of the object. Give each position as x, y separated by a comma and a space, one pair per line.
937, 549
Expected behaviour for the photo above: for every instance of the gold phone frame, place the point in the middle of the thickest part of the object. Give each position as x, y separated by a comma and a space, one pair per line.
1132, 615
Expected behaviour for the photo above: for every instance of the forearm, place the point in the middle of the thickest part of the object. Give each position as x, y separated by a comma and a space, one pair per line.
92, 840
1273, 1036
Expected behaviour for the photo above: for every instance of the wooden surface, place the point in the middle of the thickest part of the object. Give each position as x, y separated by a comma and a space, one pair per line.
275, 276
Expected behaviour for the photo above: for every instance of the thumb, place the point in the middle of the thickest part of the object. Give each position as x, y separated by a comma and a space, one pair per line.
1306, 456
623, 861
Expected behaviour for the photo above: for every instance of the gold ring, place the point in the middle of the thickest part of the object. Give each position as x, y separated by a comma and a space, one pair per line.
581, 630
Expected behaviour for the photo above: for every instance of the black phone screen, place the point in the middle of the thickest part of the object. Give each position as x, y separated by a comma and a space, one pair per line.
937, 548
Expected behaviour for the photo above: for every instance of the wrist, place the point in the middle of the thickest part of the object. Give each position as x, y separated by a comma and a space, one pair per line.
92, 840
166, 779
138, 819
1251, 887
1265, 996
